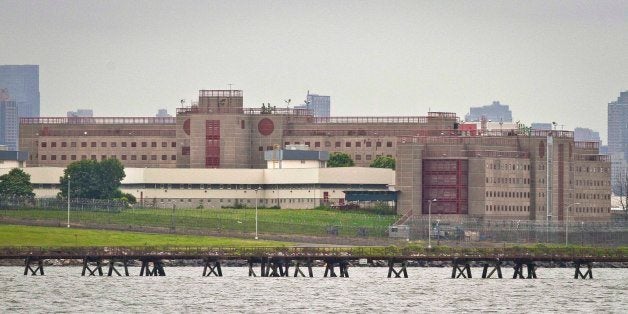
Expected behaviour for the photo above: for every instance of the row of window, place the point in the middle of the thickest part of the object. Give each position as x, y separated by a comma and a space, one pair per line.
498, 180
507, 208
508, 194
347, 144
240, 201
103, 157
500, 166
592, 183
110, 144
587, 196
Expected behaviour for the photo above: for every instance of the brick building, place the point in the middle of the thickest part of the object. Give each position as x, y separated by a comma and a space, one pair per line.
487, 174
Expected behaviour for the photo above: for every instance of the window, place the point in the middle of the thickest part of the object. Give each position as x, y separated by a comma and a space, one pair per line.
123, 144
103, 157
164, 157
185, 150
83, 157
114, 144
173, 144
43, 157
153, 144
173, 157
164, 144
378, 144
93, 157
64, 157
133, 144
347, 144
358, 157
368, 157
123, 157
144, 144
72, 144
337, 144
72, 157
261, 148
144, 157
153, 157
307, 144
93, 144
64, 144
358, 144
83, 144
44, 144
368, 144
388, 144
317, 144
103, 144
53, 144
133, 157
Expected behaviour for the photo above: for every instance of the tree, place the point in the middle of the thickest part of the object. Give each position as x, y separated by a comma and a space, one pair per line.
16, 184
621, 189
383, 162
337, 159
92, 179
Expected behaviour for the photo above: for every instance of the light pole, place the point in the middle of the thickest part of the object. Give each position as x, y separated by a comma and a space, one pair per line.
256, 198
68, 201
429, 223
567, 223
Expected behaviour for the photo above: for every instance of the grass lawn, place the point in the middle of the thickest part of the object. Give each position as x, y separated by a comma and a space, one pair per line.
284, 221
12, 235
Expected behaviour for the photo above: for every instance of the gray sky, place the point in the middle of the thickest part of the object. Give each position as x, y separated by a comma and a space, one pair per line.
549, 60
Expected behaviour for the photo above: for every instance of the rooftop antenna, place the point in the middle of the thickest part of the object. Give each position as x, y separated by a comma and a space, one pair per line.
287, 101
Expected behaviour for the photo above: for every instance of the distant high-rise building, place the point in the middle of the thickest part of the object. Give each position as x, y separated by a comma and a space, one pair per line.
541, 126
21, 84
618, 134
495, 112
9, 124
319, 105
81, 113
163, 113
586, 135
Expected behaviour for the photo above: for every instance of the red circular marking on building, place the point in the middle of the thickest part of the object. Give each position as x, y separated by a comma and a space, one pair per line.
266, 126
186, 126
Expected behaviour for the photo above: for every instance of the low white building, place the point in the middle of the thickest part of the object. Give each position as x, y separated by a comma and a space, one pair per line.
216, 188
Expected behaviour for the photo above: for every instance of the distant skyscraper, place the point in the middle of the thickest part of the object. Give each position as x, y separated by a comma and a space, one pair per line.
22, 83
21, 92
586, 135
8, 124
495, 112
541, 126
319, 105
81, 113
163, 113
618, 134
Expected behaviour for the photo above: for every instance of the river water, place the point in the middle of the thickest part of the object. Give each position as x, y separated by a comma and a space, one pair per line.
367, 290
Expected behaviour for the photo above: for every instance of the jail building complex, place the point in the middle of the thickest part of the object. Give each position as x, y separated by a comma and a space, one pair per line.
470, 171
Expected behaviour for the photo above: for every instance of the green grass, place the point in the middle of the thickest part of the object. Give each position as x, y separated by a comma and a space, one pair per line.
12, 235
276, 221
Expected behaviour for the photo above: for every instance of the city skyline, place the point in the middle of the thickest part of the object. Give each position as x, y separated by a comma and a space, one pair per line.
543, 59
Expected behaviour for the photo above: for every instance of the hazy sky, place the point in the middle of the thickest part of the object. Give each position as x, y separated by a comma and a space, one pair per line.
549, 60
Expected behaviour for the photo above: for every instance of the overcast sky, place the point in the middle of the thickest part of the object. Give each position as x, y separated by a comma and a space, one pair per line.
557, 61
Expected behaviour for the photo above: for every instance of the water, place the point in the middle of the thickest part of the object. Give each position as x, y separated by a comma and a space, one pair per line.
367, 290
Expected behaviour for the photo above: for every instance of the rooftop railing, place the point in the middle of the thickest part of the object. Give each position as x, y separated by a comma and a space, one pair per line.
98, 120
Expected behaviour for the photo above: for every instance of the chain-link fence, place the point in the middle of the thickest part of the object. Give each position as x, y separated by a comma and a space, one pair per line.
333, 225
521, 231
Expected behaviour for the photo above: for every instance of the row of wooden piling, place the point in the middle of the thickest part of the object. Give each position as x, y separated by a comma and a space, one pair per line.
93, 266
